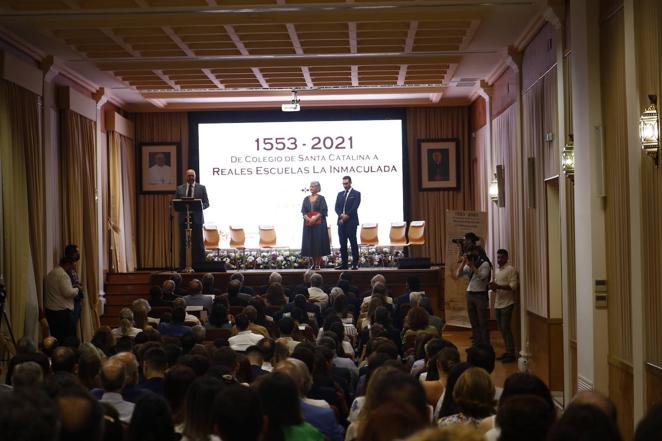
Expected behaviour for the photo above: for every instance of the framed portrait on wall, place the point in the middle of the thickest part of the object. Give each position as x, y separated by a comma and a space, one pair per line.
438, 164
159, 167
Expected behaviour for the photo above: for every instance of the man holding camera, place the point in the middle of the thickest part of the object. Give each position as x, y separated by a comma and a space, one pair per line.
59, 300
478, 270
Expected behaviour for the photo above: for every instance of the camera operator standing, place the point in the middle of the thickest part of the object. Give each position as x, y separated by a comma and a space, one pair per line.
477, 268
59, 300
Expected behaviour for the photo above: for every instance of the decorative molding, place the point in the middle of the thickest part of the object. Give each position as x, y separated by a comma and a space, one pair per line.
17, 71
117, 123
514, 59
554, 13
619, 363
584, 384
75, 101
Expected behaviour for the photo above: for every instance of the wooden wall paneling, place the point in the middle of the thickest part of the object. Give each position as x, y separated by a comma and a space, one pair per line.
617, 224
504, 92
539, 56
648, 25
620, 380
535, 218
430, 123
653, 385
478, 112
551, 152
480, 168
546, 348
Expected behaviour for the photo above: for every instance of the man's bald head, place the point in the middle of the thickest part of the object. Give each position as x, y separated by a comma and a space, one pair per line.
81, 416
63, 359
48, 345
131, 364
113, 375
598, 400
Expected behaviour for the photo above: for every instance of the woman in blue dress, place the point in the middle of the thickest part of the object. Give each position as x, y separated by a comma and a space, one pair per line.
315, 240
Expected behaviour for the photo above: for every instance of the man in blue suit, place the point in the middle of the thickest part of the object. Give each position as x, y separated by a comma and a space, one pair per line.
347, 205
192, 189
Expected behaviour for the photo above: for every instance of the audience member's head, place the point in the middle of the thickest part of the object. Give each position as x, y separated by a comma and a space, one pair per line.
25, 345
474, 393
113, 430
238, 277
151, 420
219, 315
238, 414
413, 284
279, 397
520, 383
175, 385
524, 418
241, 321
207, 282
307, 275
177, 278
227, 358
131, 364
195, 287
198, 414
286, 326
392, 421
448, 405
113, 375
266, 347
155, 363
29, 416
81, 416
417, 319
26, 375
275, 277
178, 315
454, 432
168, 287
650, 427
299, 372
482, 355
233, 287
63, 359
377, 278
48, 345
445, 360
199, 363
584, 422
89, 364
389, 385
597, 399
316, 280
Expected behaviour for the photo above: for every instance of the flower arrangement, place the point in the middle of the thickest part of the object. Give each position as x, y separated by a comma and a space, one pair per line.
371, 257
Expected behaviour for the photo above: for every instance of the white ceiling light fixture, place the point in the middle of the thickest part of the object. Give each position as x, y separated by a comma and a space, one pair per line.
292, 106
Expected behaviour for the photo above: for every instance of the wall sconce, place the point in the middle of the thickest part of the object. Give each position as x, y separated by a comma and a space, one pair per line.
649, 129
496, 190
568, 158
493, 190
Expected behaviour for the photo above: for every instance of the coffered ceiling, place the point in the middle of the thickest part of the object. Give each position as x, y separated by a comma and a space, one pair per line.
184, 54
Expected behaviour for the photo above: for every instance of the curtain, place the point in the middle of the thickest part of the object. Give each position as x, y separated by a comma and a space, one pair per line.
22, 200
79, 211
158, 244
121, 173
431, 206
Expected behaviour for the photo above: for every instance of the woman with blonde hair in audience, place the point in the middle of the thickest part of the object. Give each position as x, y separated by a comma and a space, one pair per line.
474, 396
126, 327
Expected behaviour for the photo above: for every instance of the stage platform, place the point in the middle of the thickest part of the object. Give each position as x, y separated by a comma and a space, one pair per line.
121, 289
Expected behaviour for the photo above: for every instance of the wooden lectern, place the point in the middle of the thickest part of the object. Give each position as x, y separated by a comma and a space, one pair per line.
188, 206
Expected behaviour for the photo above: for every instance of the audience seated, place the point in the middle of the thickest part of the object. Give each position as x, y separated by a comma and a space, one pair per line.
113, 378
286, 328
315, 292
152, 421
208, 285
275, 295
251, 314
473, 395
155, 363
524, 418
126, 326
242, 288
26, 376
245, 337
196, 297
234, 297
218, 319
650, 427
198, 414
176, 328
238, 414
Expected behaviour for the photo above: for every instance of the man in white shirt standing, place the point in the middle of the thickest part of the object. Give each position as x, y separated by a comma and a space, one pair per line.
59, 300
506, 281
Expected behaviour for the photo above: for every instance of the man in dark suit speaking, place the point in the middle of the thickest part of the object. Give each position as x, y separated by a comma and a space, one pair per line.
191, 189
347, 205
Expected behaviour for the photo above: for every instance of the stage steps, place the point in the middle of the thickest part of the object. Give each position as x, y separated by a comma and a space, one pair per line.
121, 290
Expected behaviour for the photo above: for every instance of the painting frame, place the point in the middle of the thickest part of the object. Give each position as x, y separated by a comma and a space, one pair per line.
439, 164
159, 167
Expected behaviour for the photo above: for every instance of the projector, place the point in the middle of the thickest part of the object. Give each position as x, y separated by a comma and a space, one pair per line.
291, 107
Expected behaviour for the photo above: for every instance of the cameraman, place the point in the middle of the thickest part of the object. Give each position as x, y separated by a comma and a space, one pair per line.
478, 270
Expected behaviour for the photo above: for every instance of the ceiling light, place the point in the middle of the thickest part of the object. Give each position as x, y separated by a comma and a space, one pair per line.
292, 106
649, 129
